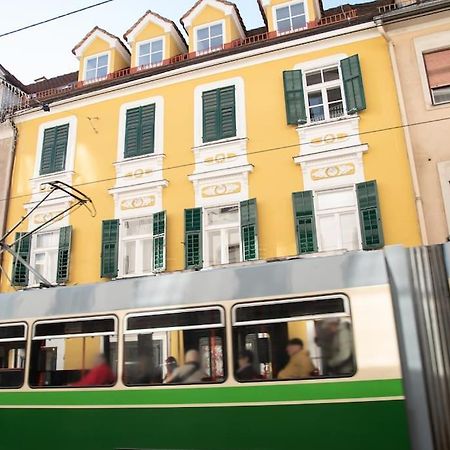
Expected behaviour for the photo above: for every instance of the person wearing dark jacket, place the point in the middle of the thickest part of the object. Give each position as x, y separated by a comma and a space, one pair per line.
246, 371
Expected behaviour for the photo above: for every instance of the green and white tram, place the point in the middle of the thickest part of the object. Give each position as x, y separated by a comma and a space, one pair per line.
50, 340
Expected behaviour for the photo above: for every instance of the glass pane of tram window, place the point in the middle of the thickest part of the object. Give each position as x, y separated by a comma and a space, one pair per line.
175, 356
298, 349
75, 361
12, 356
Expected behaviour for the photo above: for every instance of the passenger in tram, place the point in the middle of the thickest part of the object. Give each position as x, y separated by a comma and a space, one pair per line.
101, 374
171, 364
336, 341
300, 364
191, 372
246, 370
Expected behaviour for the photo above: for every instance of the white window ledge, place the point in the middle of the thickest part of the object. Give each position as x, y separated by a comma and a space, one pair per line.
221, 144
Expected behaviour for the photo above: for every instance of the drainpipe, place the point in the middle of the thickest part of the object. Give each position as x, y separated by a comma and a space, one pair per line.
409, 146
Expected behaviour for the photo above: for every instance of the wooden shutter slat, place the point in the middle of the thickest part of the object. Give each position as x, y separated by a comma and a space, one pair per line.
65, 241
147, 144
294, 97
370, 216
54, 149
22, 248
193, 238
159, 241
353, 84
227, 101
210, 116
132, 130
110, 248
305, 222
249, 229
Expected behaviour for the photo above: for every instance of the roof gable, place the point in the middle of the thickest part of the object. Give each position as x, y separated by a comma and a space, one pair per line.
228, 8
110, 39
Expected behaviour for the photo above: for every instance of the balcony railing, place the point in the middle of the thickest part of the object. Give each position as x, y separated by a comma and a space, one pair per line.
42, 96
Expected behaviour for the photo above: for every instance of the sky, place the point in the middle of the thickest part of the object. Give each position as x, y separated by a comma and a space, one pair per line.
46, 50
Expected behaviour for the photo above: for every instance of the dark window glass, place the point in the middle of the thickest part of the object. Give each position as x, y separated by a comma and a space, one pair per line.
290, 310
12, 363
74, 327
293, 349
173, 320
12, 332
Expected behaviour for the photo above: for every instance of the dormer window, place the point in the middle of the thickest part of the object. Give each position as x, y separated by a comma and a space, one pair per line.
151, 52
210, 38
290, 17
97, 67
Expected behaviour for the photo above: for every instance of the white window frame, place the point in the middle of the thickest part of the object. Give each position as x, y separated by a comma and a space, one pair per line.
209, 25
323, 87
97, 55
222, 227
151, 42
71, 145
159, 127
428, 44
138, 240
240, 110
34, 249
336, 211
288, 4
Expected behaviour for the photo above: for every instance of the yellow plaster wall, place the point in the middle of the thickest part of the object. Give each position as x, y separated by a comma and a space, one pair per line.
275, 175
75, 348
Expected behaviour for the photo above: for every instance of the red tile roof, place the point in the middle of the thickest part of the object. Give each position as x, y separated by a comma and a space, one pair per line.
225, 2
11, 79
52, 83
171, 22
92, 32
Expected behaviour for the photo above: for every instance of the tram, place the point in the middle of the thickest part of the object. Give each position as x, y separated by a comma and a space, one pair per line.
148, 330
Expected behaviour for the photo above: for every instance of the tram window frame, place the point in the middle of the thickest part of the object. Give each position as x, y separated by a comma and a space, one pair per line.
114, 334
24, 339
222, 325
346, 314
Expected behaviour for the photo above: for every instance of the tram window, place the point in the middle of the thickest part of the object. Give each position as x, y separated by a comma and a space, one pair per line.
12, 355
175, 347
74, 353
293, 339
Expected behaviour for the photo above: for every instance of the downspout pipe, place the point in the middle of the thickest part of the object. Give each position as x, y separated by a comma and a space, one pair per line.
406, 130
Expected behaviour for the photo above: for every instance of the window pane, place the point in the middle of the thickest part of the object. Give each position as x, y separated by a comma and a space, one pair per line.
157, 57
216, 30
297, 9
298, 22
102, 72
130, 257
91, 74
147, 255
336, 110
283, 13
144, 49
138, 227
74, 327
202, 34
234, 246
338, 198
203, 45
315, 98
313, 78
214, 247
328, 229
12, 332
349, 230
441, 95
144, 60
157, 46
284, 25
74, 362
334, 94
317, 114
47, 240
298, 349
331, 74
103, 60
223, 216
12, 364
91, 63
216, 42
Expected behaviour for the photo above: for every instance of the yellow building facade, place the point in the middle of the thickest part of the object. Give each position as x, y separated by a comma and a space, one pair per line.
231, 147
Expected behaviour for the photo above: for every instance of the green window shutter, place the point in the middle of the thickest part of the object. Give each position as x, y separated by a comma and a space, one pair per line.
353, 84
110, 248
369, 215
54, 149
159, 241
249, 229
65, 241
305, 222
22, 248
140, 131
294, 97
219, 114
193, 238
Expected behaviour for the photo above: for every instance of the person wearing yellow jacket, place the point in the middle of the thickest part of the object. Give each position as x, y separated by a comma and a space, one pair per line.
300, 364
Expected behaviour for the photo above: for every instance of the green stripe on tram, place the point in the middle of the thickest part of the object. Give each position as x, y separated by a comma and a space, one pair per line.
332, 391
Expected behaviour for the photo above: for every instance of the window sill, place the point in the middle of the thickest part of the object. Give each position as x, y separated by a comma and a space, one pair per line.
51, 176
130, 277
221, 142
150, 156
321, 254
343, 118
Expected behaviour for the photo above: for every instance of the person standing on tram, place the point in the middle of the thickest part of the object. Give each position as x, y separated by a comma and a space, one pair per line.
300, 364
191, 372
101, 374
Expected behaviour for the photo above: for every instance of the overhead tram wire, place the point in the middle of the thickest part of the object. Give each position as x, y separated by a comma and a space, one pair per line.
197, 69
61, 16
256, 153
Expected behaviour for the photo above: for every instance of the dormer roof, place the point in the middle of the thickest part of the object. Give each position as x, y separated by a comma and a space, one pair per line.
227, 7
97, 32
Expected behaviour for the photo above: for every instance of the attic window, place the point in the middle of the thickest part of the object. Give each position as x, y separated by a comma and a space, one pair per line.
291, 17
150, 53
210, 38
97, 67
